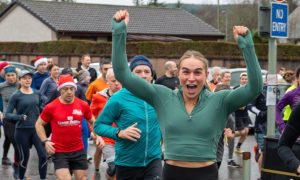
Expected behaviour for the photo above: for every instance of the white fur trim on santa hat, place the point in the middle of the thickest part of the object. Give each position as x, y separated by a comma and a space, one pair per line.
40, 61
66, 84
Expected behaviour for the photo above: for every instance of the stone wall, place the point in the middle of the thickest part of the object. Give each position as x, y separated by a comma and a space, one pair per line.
71, 61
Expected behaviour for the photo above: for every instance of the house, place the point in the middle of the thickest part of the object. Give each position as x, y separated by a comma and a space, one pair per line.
294, 26
37, 21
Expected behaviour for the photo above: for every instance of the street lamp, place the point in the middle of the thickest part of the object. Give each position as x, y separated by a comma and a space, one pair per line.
218, 15
226, 23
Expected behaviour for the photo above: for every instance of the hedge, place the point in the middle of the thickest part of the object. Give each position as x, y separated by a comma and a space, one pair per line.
151, 49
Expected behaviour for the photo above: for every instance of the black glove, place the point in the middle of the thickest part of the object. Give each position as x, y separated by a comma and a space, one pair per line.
23, 117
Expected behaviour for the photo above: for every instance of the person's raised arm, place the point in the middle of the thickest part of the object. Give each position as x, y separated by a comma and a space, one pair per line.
133, 83
242, 96
288, 139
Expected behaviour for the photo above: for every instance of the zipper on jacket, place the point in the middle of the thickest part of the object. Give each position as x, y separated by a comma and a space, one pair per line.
147, 121
189, 115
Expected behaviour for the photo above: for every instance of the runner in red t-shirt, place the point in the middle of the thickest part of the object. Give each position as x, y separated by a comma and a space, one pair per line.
65, 115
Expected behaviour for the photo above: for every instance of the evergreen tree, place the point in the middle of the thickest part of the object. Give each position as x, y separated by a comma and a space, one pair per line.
138, 2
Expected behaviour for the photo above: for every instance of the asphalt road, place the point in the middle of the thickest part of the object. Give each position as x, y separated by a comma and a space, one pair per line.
225, 172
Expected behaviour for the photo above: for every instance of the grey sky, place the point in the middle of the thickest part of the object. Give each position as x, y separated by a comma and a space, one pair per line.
130, 2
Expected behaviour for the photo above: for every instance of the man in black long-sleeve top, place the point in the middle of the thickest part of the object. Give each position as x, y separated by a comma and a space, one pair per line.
287, 140
85, 64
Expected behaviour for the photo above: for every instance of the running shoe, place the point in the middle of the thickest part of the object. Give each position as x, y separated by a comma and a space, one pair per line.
238, 151
232, 163
15, 171
6, 161
96, 176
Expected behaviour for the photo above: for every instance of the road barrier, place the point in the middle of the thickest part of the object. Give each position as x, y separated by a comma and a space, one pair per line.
273, 168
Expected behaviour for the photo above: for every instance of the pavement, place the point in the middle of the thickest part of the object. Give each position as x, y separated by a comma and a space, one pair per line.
225, 172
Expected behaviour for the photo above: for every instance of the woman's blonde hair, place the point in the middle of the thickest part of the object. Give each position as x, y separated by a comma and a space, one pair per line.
196, 55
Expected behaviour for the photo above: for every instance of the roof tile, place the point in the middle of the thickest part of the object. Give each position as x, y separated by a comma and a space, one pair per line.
96, 18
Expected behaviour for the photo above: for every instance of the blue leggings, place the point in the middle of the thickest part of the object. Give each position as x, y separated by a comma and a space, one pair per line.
25, 138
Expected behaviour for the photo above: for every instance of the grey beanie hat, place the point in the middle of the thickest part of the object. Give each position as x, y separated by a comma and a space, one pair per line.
82, 74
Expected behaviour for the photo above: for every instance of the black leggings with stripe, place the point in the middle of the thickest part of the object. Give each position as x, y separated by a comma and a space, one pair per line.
25, 138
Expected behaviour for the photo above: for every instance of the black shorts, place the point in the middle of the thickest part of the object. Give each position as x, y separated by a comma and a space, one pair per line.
153, 171
111, 169
171, 172
72, 160
241, 123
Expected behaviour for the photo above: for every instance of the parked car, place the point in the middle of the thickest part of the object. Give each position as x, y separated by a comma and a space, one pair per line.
235, 75
96, 66
22, 66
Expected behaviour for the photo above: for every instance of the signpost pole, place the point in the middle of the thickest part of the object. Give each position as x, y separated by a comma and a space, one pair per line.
272, 58
278, 29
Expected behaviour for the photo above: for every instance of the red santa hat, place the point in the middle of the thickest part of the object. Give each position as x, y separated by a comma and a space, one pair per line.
65, 80
3, 65
39, 60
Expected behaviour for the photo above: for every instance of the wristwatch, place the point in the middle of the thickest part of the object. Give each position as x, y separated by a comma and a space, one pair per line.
117, 133
44, 142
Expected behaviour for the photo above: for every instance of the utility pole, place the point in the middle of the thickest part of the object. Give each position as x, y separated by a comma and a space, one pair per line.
224, 12
218, 14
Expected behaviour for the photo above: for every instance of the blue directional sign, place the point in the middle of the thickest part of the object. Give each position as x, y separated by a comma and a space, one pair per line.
279, 20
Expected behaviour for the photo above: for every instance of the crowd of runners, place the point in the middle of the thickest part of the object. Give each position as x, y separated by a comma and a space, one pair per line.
137, 122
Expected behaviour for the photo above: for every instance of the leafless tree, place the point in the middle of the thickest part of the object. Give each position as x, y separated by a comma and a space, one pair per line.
138, 2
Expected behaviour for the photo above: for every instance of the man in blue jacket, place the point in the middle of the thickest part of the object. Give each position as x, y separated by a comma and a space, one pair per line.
138, 152
40, 63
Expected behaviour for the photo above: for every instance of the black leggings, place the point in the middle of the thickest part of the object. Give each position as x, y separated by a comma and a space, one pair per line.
25, 138
9, 134
171, 172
